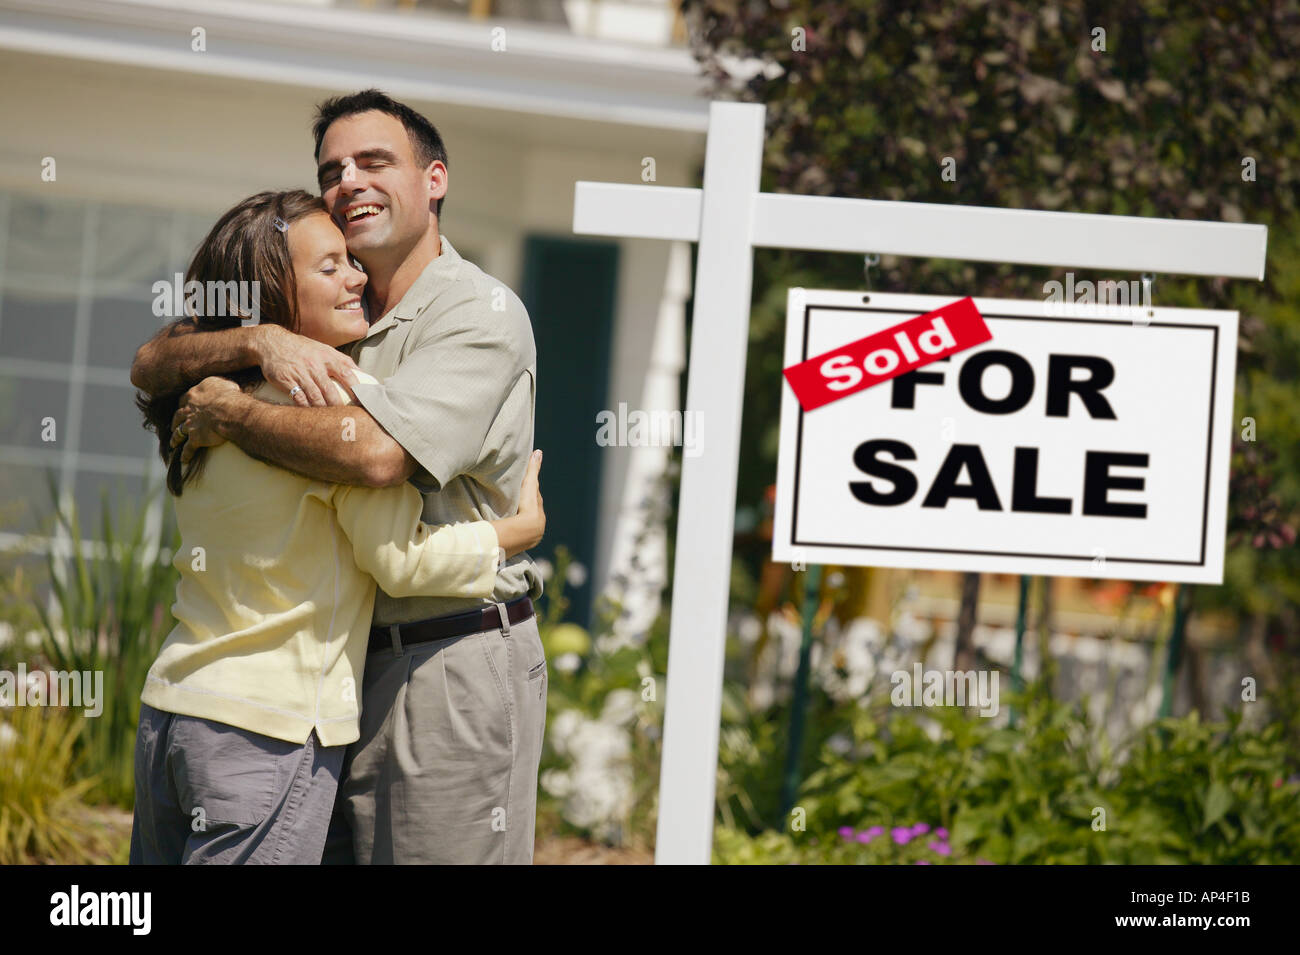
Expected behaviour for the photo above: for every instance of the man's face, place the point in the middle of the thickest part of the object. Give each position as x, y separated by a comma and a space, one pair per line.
379, 196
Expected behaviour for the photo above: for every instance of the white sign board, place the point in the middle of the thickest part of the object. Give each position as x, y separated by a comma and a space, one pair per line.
1085, 441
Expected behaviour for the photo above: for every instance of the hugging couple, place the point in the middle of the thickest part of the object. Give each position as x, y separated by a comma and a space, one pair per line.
355, 675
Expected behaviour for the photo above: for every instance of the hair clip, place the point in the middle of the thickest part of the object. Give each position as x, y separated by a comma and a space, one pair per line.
280, 224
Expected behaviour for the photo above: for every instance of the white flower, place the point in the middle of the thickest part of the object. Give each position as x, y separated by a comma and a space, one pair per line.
561, 729
597, 786
610, 643
849, 664
932, 728
749, 628
787, 635
762, 694
567, 662
601, 799
544, 567
911, 629
620, 707
576, 574
557, 782
839, 744
597, 744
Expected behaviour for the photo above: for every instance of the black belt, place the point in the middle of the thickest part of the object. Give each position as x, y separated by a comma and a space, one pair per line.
452, 625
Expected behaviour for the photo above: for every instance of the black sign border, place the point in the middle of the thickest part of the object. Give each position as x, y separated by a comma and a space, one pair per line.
1209, 443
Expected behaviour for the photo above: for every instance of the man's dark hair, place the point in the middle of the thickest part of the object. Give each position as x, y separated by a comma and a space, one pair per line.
426, 142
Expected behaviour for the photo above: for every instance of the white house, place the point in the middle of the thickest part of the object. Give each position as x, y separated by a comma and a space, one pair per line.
130, 124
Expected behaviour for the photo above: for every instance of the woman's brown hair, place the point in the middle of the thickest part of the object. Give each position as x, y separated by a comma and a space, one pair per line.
249, 244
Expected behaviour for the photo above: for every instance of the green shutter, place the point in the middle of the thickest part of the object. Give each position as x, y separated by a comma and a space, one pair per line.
569, 289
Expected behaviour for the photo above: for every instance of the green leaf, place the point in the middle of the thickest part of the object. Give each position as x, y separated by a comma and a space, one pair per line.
1218, 800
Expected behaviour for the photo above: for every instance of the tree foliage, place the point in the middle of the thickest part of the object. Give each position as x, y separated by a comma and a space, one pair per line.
1182, 111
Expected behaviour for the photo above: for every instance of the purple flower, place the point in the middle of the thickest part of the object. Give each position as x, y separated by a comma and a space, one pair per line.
867, 835
920, 829
922, 862
984, 862
940, 847
941, 832
847, 833
902, 835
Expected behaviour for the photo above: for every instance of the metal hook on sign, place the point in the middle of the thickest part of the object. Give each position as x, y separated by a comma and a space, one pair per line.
1148, 285
869, 261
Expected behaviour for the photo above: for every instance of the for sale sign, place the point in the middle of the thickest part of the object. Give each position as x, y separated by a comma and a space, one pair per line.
1072, 441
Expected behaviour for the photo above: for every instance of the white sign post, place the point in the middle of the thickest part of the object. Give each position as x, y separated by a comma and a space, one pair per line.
728, 218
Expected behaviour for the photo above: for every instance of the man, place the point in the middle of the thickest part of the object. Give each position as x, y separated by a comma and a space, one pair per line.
454, 694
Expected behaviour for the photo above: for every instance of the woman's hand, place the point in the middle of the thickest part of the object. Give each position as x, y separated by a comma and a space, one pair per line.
200, 413
526, 528
530, 502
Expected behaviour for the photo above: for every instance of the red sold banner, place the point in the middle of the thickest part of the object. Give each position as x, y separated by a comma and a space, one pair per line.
888, 354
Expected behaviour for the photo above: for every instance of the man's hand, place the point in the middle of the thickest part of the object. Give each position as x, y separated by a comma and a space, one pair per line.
294, 362
304, 440
201, 410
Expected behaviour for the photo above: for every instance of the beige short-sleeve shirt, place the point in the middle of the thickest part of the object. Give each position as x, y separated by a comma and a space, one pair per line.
457, 370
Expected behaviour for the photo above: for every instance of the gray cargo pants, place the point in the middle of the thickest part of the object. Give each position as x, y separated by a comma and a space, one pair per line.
207, 792
445, 771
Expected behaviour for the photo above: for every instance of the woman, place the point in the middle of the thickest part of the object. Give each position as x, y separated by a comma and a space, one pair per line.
254, 696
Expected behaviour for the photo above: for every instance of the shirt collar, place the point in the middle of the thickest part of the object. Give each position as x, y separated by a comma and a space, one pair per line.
423, 290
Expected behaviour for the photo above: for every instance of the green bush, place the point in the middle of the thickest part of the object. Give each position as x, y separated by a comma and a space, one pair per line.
1181, 791
111, 615
887, 785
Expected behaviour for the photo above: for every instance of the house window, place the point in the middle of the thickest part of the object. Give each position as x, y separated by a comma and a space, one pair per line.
76, 280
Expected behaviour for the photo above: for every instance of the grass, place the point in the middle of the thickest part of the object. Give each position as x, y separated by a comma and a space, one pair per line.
42, 814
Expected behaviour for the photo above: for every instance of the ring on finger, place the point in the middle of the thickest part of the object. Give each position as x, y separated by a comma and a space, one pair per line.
295, 391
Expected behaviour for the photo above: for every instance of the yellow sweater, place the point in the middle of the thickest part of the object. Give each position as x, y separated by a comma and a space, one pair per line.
278, 576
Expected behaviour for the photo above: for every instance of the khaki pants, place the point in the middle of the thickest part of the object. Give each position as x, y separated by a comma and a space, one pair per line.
445, 771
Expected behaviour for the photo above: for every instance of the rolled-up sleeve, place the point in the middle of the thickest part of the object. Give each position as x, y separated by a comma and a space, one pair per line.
441, 401
409, 558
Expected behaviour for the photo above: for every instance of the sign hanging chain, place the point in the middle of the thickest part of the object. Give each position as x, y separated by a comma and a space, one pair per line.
870, 260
